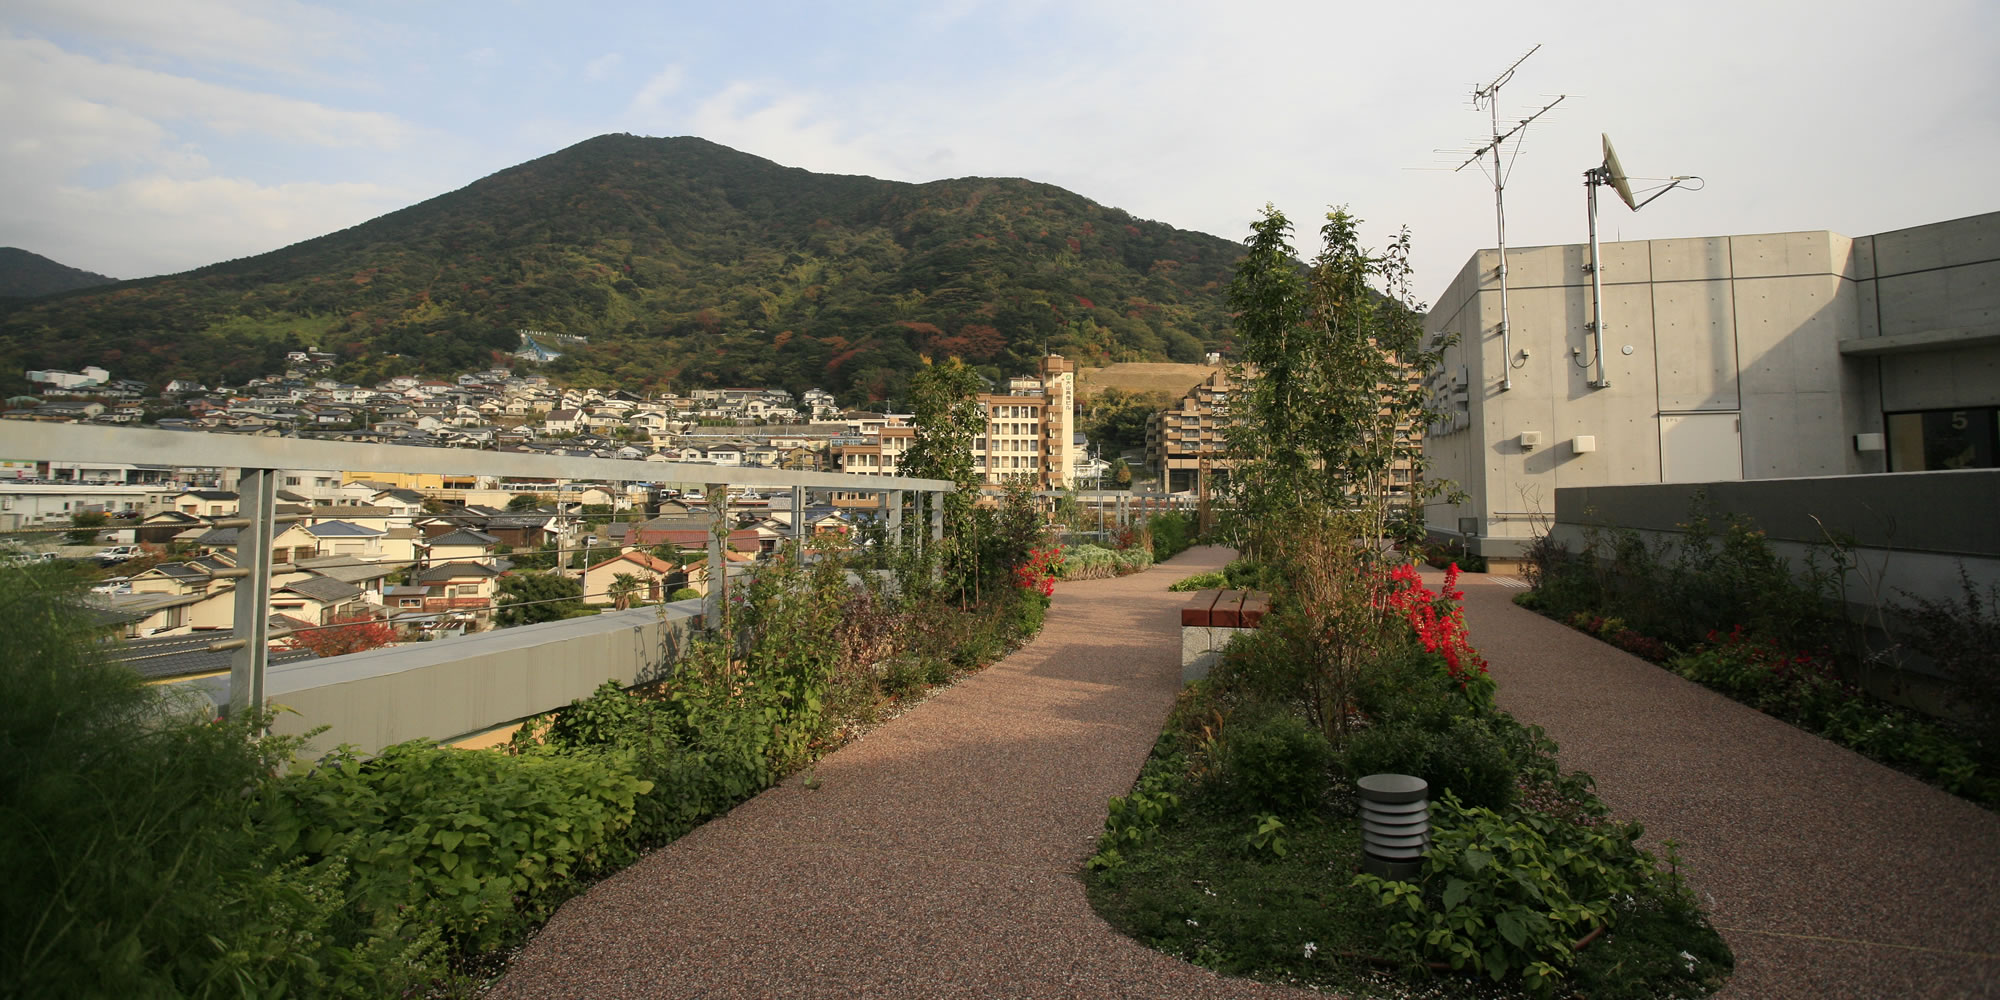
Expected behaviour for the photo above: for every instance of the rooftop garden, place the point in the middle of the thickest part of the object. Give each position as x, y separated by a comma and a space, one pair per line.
1240, 846
1718, 606
152, 850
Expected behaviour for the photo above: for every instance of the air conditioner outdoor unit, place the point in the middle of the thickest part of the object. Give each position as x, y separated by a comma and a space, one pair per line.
1583, 444
1530, 440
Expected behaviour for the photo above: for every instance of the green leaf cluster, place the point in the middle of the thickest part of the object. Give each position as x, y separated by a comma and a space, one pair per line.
476, 840
1511, 894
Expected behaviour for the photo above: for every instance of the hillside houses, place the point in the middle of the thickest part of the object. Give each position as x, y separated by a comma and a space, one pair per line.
492, 408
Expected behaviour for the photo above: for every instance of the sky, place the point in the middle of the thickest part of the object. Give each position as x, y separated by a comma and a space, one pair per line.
148, 138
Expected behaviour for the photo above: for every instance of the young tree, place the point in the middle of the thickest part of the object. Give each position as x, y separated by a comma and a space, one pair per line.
1330, 415
84, 525
944, 402
624, 587
527, 598
350, 634
523, 501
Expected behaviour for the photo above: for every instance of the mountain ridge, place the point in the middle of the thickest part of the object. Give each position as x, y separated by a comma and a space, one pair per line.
25, 274
685, 263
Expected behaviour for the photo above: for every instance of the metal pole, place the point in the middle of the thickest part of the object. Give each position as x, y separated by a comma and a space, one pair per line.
258, 490
1590, 181
798, 513
1500, 218
895, 498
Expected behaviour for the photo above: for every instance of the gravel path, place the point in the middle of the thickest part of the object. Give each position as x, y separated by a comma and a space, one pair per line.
937, 858
1830, 876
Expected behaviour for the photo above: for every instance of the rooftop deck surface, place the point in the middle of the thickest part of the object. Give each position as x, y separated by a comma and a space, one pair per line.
938, 856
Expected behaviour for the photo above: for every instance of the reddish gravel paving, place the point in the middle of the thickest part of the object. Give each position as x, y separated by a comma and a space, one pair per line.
938, 857
1830, 876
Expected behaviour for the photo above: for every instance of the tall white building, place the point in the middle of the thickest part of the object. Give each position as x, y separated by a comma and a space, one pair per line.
1724, 357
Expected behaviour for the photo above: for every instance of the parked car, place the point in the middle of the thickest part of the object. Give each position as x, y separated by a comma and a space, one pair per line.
117, 554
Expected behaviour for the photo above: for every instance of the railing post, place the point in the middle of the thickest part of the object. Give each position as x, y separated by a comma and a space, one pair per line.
798, 514
258, 492
936, 498
718, 567
896, 516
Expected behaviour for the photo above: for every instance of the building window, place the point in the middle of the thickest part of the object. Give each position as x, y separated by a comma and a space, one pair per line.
1929, 440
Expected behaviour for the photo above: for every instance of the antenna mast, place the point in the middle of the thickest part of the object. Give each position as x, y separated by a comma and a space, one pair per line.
1490, 95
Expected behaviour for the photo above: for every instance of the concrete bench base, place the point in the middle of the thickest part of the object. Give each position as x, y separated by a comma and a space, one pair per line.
1210, 619
1200, 646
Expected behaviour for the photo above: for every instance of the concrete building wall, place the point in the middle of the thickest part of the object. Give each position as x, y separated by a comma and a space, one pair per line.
1727, 357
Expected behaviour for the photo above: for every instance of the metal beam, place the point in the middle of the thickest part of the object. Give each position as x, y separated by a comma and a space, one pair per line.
258, 492
97, 443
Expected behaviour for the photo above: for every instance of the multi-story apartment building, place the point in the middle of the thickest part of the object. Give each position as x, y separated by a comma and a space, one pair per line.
1029, 432
1185, 443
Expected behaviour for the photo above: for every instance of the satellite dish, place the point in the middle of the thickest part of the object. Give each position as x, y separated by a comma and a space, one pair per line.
1616, 174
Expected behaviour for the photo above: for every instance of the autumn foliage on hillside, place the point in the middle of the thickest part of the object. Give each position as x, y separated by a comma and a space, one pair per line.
686, 264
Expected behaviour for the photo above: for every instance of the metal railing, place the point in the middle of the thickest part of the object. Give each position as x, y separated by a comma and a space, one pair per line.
263, 460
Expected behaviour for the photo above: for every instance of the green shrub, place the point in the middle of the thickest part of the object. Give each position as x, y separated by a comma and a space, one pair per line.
1257, 665
1199, 581
1133, 820
127, 846
1093, 562
1509, 895
903, 676
1961, 636
475, 839
1172, 533
1254, 574
1271, 761
685, 594
1409, 686
1465, 759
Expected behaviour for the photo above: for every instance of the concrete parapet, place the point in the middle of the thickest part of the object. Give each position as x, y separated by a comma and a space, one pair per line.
450, 688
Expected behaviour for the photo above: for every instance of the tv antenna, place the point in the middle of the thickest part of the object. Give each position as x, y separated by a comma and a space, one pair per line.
1612, 174
1489, 97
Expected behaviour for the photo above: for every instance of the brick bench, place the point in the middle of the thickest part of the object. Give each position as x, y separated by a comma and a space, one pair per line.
1210, 619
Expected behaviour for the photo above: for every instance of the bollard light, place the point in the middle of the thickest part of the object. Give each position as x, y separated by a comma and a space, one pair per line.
1395, 825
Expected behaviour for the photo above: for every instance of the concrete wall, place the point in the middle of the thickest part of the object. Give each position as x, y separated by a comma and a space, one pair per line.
1910, 532
1727, 357
1930, 296
451, 688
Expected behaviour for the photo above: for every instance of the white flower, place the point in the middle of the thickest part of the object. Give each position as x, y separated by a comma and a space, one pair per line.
1191, 922
1689, 959
1310, 948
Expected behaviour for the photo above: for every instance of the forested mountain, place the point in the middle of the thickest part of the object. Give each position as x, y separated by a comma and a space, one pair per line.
27, 275
686, 264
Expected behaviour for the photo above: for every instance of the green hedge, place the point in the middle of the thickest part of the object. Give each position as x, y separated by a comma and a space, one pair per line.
1093, 562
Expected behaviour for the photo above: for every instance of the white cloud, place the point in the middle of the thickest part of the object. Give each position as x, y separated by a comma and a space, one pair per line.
1198, 115
118, 160
600, 69
169, 224
37, 70
272, 35
650, 99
